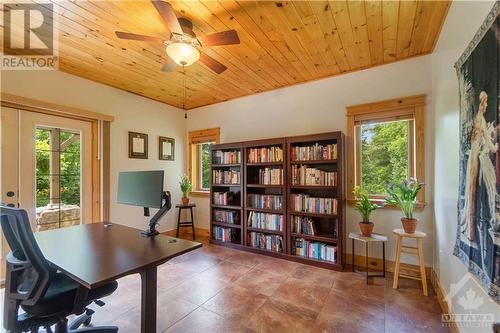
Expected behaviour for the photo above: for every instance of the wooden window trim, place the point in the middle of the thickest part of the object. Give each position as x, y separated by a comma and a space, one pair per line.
399, 108
196, 137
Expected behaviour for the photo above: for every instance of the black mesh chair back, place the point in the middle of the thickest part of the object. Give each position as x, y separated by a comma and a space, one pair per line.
28, 273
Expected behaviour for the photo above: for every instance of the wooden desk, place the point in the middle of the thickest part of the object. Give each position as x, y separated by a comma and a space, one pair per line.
93, 255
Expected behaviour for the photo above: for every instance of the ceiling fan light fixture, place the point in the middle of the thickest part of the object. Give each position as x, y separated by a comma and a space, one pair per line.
183, 54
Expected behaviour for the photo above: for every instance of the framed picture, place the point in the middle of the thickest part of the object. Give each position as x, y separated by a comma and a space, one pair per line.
166, 148
137, 145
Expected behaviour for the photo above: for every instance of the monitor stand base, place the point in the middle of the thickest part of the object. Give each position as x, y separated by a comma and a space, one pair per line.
149, 233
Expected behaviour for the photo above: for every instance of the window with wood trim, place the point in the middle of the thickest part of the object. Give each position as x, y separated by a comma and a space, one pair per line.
199, 158
385, 145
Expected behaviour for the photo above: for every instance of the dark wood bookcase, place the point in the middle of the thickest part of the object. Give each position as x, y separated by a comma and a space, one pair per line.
235, 201
328, 228
252, 186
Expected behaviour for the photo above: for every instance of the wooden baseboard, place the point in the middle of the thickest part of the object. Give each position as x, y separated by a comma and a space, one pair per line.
376, 264
440, 294
187, 231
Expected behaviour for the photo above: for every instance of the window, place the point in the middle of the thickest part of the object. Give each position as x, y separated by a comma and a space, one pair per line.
385, 144
199, 158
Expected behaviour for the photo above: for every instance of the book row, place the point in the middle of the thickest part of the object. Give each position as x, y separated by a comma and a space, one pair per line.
226, 177
304, 175
271, 176
223, 198
303, 225
265, 201
264, 155
226, 157
223, 234
226, 216
315, 250
272, 243
306, 203
265, 221
314, 152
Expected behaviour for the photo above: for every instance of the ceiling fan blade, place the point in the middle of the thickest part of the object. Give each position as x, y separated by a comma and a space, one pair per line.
220, 38
211, 63
169, 66
131, 36
167, 14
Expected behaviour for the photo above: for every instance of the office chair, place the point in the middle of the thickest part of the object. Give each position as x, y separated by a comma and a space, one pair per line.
46, 296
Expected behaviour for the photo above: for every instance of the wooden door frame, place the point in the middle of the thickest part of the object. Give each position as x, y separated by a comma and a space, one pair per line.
100, 124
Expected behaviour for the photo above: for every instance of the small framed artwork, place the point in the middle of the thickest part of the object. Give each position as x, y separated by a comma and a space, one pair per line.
137, 145
166, 148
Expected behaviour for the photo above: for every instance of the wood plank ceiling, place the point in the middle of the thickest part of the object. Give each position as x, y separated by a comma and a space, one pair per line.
282, 43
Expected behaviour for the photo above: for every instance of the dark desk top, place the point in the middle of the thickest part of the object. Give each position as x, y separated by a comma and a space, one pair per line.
93, 254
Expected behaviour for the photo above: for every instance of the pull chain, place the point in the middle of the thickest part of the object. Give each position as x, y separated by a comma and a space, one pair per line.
184, 91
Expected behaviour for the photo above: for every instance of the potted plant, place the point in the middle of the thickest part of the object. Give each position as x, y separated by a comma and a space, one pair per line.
364, 207
186, 187
404, 196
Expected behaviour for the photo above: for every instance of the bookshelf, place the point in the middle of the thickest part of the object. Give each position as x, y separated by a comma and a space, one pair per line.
291, 198
265, 191
315, 211
226, 194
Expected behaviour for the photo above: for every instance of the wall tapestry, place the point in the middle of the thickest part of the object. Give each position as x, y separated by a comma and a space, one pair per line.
478, 232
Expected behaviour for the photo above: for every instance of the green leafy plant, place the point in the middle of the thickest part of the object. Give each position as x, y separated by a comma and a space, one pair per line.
363, 205
186, 186
404, 196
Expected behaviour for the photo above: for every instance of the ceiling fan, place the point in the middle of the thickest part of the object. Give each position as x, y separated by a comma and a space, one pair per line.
183, 46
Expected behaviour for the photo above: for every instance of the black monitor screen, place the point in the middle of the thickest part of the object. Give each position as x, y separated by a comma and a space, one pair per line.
140, 188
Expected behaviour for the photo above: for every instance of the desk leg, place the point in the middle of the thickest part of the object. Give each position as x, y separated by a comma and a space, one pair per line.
148, 300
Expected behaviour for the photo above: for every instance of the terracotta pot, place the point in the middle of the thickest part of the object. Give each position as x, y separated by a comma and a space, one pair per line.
409, 225
185, 201
366, 228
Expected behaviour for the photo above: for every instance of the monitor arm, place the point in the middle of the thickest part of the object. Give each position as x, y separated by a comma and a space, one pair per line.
154, 220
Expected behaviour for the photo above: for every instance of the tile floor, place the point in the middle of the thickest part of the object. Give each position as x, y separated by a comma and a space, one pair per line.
216, 289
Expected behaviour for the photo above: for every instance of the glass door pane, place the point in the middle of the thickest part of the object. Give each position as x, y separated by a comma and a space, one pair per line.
58, 174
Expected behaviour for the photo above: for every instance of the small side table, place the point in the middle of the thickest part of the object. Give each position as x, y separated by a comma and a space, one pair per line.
377, 238
185, 223
418, 251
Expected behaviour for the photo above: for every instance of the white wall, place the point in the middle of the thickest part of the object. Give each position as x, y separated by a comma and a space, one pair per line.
131, 112
320, 106
464, 19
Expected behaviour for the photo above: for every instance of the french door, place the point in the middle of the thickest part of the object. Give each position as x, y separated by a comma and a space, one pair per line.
55, 169
46, 168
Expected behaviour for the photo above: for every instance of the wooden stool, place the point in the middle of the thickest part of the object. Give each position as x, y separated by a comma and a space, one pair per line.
186, 223
418, 251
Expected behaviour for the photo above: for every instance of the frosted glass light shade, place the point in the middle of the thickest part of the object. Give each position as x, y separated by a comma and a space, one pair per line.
183, 54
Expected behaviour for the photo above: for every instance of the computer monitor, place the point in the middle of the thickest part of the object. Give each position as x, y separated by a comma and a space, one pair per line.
144, 189
141, 188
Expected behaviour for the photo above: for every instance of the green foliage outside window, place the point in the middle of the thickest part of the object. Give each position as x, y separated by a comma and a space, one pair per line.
205, 165
69, 174
384, 155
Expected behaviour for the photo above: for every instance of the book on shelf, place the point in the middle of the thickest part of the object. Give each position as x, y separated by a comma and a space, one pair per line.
226, 216
265, 201
223, 234
305, 175
265, 221
273, 243
306, 203
226, 157
271, 176
226, 177
225, 198
303, 225
315, 250
314, 152
265, 154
